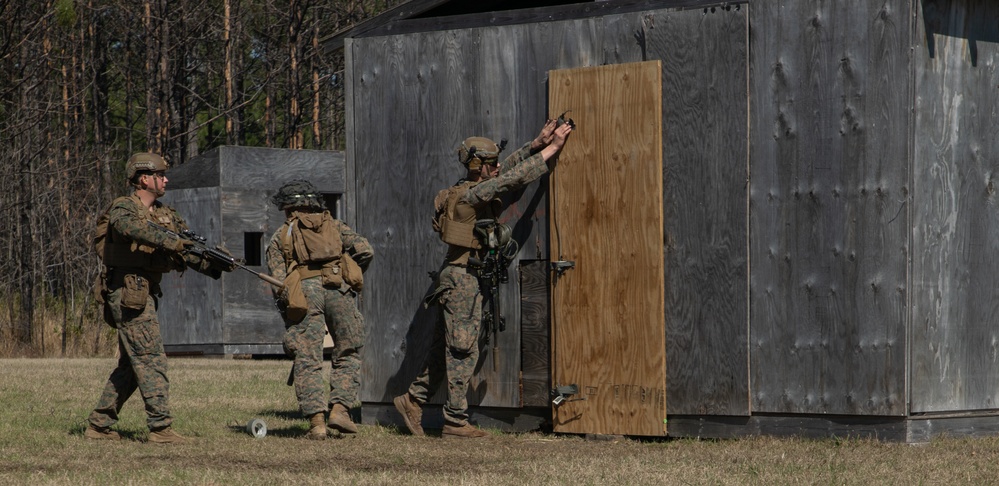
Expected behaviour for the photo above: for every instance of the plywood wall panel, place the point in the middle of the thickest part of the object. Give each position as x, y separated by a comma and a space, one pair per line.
955, 258
705, 169
607, 311
829, 226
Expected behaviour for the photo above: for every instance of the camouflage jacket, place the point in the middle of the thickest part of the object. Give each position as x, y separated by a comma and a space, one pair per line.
131, 243
516, 171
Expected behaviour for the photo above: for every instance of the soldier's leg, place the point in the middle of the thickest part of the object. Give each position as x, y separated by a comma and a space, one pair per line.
463, 321
122, 382
304, 342
144, 346
433, 372
346, 326
120, 385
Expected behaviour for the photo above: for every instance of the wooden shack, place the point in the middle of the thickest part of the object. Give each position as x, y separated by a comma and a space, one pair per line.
811, 198
225, 196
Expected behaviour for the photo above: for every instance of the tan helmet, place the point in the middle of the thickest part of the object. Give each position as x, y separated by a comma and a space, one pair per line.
475, 151
144, 161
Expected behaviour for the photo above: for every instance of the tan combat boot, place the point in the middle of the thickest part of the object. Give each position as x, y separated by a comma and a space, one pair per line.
462, 431
411, 412
100, 433
317, 422
340, 420
166, 436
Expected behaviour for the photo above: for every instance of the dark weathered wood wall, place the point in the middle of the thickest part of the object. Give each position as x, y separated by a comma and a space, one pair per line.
705, 145
190, 310
414, 97
223, 195
830, 97
955, 252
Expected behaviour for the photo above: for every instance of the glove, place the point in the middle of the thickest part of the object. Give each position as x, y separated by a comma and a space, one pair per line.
178, 245
223, 265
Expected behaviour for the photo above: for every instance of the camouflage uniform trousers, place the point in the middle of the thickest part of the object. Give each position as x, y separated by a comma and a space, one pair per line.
142, 364
455, 348
336, 311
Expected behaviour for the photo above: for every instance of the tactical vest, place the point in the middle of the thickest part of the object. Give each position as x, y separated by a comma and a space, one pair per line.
455, 221
313, 247
117, 251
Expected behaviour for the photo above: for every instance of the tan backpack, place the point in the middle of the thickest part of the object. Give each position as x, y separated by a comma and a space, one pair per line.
314, 238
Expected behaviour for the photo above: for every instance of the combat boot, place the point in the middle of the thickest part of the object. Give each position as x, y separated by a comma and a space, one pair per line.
411, 412
317, 422
101, 433
340, 420
166, 435
462, 431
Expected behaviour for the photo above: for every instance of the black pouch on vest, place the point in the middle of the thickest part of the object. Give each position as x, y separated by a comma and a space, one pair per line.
135, 293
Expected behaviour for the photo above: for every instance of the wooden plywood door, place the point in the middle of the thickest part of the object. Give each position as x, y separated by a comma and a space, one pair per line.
608, 311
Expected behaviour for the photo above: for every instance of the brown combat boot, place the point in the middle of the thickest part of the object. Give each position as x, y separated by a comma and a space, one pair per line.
100, 433
462, 431
411, 412
166, 436
317, 422
340, 420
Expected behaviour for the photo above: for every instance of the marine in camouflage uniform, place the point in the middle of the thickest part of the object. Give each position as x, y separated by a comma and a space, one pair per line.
455, 351
136, 256
331, 305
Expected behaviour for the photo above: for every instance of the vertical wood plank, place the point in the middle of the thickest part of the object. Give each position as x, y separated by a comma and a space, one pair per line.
535, 334
705, 154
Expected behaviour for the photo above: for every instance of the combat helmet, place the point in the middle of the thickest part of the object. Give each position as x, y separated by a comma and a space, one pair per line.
144, 161
298, 193
475, 151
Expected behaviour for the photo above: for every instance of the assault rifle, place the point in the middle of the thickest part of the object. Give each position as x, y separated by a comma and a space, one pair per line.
215, 255
492, 271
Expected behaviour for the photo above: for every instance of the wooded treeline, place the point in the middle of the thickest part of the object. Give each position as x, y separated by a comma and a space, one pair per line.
85, 83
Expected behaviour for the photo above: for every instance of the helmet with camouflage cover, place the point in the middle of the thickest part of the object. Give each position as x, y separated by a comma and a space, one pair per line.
298, 194
144, 162
475, 151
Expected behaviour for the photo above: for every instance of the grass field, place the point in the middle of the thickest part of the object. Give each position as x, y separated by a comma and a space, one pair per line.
44, 404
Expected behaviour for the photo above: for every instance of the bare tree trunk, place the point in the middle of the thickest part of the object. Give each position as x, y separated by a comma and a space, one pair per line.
163, 90
294, 47
230, 135
317, 138
152, 101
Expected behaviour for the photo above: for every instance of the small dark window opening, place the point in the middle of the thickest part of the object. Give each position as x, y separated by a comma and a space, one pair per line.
253, 248
332, 201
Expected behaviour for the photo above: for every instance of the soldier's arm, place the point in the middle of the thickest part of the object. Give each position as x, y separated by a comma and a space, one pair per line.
129, 220
275, 258
544, 138
542, 149
517, 177
356, 245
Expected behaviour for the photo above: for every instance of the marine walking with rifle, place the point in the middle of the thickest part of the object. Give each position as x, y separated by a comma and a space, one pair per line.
466, 218
321, 262
135, 252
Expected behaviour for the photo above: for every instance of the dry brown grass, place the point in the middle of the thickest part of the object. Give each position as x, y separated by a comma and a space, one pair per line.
60, 329
44, 404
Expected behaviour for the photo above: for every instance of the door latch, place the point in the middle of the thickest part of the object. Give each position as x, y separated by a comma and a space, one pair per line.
562, 394
560, 266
